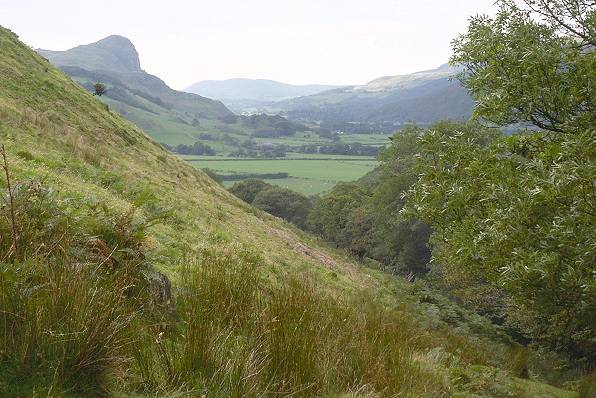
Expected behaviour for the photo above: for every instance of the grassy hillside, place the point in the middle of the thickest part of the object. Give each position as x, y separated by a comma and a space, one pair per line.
96, 210
180, 118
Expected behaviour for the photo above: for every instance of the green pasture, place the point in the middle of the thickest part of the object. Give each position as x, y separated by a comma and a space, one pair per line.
308, 176
365, 139
289, 156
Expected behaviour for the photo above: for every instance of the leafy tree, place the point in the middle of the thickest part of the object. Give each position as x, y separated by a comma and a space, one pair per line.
358, 236
533, 65
281, 202
248, 189
364, 217
198, 148
333, 213
284, 203
100, 89
517, 213
402, 242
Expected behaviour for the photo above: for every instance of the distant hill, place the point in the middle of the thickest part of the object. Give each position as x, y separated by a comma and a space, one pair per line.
116, 58
176, 117
170, 116
388, 83
240, 94
114, 53
391, 101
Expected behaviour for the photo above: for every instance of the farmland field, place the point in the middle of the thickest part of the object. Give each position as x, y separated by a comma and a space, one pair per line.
306, 175
366, 139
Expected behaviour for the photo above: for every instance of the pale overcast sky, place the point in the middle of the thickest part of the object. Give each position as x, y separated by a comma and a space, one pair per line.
297, 41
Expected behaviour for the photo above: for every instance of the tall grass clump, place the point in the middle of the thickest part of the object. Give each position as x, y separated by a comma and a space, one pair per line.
238, 334
63, 326
69, 295
203, 347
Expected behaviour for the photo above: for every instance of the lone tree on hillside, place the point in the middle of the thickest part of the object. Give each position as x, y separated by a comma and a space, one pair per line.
100, 89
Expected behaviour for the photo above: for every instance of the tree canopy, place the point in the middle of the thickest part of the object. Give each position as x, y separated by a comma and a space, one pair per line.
281, 202
364, 217
517, 213
100, 89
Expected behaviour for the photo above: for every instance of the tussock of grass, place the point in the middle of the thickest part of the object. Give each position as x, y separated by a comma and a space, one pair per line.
587, 386
69, 294
237, 336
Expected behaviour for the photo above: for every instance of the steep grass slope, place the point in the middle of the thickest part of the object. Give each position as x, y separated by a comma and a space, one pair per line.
258, 308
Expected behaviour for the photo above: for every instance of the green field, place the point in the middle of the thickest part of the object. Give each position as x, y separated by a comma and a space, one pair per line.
309, 173
289, 156
308, 176
365, 139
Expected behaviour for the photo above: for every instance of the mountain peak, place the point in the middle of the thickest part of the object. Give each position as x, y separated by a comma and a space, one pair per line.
113, 53
115, 39
120, 49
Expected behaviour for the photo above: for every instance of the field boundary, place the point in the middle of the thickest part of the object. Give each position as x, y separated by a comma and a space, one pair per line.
362, 158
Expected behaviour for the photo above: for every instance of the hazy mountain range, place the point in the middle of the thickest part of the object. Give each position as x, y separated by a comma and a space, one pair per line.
241, 94
384, 104
423, 97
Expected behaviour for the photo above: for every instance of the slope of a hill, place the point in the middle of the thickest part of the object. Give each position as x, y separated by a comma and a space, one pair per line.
257, 308
242, 94
423, 98
408, 81
170, 116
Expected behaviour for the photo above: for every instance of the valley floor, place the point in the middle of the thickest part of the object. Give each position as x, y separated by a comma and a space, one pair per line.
308, 174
